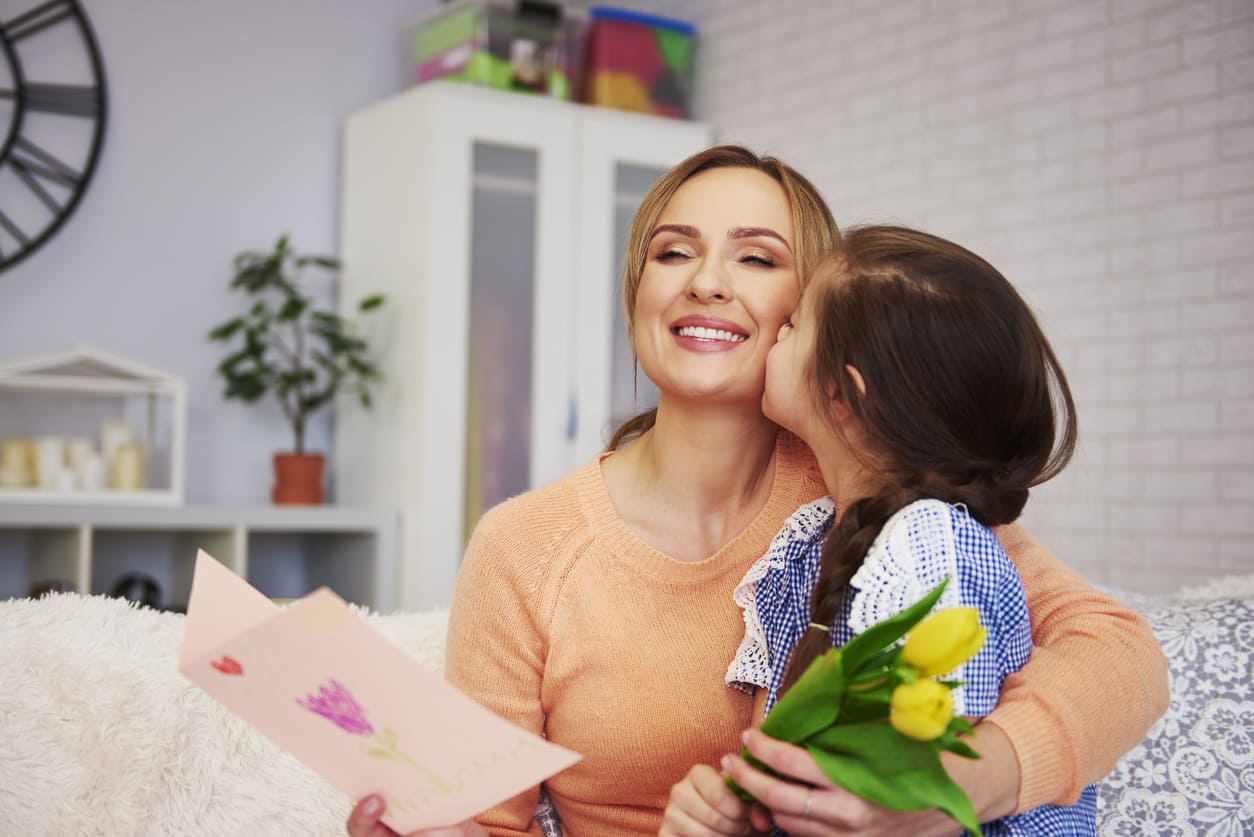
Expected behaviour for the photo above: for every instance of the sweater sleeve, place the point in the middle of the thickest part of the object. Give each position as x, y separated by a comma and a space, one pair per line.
1095, 683
496, 650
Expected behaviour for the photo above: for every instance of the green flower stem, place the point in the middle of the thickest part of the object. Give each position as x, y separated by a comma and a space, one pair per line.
388, 751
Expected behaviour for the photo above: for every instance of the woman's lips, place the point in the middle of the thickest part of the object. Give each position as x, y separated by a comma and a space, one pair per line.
707, 333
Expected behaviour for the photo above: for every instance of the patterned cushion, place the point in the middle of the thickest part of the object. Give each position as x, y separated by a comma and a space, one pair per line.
1194, 772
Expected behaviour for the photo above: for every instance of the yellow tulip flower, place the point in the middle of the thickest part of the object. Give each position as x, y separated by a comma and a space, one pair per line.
944, 641
921, 710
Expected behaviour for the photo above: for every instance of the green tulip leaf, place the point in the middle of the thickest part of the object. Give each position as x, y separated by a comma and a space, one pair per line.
811, 704
955, 746
960, 724
880, 662
880, 765
873, 640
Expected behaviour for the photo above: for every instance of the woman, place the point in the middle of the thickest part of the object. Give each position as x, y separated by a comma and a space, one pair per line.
597, 610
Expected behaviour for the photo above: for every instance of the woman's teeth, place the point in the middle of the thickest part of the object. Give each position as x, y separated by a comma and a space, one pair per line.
703, 333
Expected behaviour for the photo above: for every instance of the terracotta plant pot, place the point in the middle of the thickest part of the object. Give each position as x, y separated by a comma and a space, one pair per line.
298, 478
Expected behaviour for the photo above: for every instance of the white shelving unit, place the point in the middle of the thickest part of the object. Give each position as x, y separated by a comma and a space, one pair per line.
495, 223
283, 551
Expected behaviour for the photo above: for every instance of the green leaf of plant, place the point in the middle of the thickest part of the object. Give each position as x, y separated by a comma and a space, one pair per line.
811, 704
329, 262
960, 724
300, 356
871, 705
370, 303
880, 765
948, 741
292, 308
227, 329
874, 639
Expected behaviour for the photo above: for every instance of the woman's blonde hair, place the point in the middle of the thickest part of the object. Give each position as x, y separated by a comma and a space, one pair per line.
814, 230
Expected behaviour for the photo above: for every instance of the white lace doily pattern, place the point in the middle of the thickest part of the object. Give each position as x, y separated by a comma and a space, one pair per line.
751, 667
915, 551
1193, 774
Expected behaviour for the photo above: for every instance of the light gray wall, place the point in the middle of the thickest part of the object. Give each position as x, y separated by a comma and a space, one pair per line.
1101, 153
224, 122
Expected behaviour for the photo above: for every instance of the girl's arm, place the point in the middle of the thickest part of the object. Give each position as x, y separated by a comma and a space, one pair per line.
1092, 688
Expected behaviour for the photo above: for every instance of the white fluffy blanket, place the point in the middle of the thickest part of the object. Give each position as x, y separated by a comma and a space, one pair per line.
100, 734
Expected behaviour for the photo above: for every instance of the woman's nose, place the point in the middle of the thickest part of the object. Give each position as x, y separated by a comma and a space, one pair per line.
709, 283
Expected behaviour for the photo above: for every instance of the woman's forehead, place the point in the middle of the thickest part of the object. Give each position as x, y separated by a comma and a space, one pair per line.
737, 197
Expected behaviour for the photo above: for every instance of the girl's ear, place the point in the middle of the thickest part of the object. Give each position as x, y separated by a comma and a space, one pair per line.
840, 409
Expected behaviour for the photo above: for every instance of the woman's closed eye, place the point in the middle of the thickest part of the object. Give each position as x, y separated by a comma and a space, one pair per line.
758, 258
672, 254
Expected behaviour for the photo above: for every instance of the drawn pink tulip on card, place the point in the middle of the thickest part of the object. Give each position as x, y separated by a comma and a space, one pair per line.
336, 703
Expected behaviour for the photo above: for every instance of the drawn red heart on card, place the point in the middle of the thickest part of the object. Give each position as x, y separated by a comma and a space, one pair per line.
227, 665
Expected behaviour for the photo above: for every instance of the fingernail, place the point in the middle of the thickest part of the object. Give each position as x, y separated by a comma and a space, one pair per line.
725, 763
373, 807
744, 736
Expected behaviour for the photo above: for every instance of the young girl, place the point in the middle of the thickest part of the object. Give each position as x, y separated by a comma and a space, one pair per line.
933, 402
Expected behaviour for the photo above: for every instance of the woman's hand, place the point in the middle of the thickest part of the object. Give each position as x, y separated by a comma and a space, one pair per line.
701, 805
364, 822
807, 804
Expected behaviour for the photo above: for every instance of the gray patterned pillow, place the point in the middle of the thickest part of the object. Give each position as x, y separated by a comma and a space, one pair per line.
1193, 774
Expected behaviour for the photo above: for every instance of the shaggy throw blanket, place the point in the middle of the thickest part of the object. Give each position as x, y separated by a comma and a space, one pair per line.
100, 734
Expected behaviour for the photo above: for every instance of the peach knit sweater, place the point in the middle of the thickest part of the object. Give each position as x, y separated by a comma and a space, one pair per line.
567, 623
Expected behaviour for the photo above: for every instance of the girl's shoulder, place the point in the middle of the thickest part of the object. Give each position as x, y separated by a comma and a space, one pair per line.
921, 545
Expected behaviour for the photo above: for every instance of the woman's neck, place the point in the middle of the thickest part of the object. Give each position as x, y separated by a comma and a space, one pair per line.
695, 480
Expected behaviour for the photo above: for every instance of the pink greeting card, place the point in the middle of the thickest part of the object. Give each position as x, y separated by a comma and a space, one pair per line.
322, 683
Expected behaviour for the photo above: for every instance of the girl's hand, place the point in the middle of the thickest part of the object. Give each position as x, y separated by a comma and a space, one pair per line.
807, 804
701, 805
364, 822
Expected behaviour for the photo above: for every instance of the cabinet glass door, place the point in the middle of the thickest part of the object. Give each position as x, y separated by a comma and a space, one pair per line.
631, 391
501, 326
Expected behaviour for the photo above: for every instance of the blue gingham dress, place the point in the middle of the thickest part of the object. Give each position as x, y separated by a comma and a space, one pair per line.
920, 545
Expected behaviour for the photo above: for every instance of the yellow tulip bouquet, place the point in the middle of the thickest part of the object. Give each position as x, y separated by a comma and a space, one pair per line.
876, 719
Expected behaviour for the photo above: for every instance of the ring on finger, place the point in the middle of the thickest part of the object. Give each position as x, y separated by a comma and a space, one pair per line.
805, 815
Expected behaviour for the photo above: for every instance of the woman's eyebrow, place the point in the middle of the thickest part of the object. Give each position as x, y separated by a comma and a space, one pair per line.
681, 229
755, 232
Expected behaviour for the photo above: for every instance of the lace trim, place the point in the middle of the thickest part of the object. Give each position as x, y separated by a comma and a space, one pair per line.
915, 551
751, 667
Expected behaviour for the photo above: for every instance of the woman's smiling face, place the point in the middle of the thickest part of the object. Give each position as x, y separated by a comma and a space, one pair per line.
719, 281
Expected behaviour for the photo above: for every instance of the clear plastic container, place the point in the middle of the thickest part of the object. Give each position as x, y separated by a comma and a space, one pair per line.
524, 46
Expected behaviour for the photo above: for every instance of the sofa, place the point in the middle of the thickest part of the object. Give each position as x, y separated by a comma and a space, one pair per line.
99, 734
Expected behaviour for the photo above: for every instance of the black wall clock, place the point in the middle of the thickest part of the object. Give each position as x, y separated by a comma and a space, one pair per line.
52, 120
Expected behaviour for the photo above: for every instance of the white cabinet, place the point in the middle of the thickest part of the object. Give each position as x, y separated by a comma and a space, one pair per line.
495, 224
284, 551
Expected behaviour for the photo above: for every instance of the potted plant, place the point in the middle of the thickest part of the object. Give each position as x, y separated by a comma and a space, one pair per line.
303, 356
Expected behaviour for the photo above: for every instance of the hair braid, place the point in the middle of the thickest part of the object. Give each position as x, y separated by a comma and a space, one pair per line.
843, 550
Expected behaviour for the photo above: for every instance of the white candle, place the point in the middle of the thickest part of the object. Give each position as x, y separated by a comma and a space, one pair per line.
15, 464
89, 473
113, 433
49, 461
77, 450
128, 467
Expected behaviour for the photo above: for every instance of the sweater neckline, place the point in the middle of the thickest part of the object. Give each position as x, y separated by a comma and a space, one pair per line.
745, 547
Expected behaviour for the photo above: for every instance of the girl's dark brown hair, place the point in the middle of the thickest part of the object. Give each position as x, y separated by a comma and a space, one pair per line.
965, 400
813, 227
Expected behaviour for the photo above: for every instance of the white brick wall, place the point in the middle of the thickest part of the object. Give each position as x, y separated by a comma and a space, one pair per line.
1102, 155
